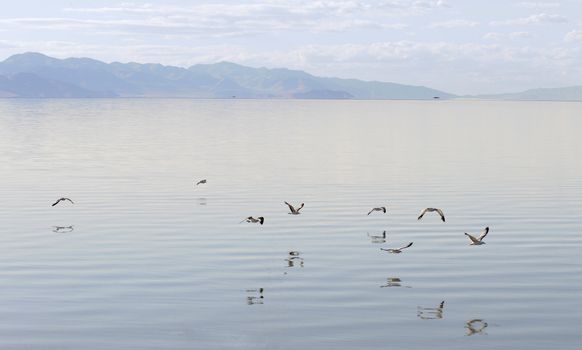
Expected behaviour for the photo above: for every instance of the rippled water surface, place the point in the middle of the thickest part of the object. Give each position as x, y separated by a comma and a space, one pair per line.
146, 260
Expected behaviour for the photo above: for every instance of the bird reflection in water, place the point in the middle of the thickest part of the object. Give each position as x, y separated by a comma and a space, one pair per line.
476, 326
202, 201
63, 229
393, 282
256, 297
378, 238
431, 313
294, 259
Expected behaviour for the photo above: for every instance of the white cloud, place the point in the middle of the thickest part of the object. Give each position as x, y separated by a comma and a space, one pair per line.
503, 36
220, 19
281, 9
455, 23
575, 35
538, 4
540, 18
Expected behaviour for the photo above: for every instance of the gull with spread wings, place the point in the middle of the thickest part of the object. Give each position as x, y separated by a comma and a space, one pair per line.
431, 210
478, 240
61, 200
259, 219
399, 250
382, 209
293, 210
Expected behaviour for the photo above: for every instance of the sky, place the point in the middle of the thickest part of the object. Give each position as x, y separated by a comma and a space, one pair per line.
459, 46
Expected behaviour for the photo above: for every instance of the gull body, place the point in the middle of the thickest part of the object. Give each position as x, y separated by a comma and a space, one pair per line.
63, 229
430, 210
61, 200
203, 181
399, 250
295, 211
478, 240
382, 209
259, 220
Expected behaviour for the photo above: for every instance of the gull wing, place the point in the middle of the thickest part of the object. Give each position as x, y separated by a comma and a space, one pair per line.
371, 211
55, 203
422, 213
406, 246
300, 207
483, 234
291, 207
388, 250
472, 238
68, 199
441, 214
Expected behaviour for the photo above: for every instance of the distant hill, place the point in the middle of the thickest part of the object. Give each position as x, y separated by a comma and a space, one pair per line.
33, 86
571, 93
37, 75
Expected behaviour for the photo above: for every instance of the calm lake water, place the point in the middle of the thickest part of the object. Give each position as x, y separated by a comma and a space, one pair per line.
153, 262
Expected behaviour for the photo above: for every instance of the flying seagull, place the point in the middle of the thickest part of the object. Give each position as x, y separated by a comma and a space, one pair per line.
259, 219
383, 209
62, 199
293, 210
399, 250
431, 210
479, 240
63, 229
203, 181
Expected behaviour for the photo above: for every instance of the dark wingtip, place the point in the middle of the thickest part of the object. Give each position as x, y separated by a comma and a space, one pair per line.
261, 219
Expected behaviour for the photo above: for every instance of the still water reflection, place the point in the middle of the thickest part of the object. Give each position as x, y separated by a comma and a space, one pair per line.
431, 313
156, 262
476, 326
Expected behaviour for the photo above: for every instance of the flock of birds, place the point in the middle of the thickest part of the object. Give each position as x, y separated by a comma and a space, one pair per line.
297, 210
474, 326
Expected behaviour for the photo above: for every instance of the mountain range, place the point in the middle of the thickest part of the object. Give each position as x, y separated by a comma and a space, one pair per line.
35, 75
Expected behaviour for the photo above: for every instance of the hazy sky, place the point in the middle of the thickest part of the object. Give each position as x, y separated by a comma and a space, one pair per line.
459, 46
